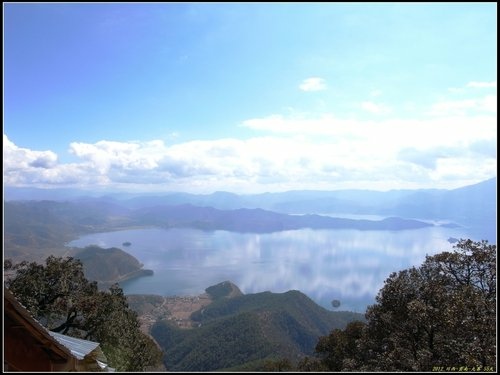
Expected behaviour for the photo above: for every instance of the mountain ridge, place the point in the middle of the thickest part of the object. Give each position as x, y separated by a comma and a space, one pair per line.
243, 331
406, 203
258, 220
63, 194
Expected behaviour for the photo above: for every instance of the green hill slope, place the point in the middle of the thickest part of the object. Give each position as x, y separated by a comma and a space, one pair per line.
225, 289
107, 266
244, 331
34, 230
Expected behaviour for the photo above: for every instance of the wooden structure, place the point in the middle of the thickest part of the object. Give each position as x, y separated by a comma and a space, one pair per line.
28, 346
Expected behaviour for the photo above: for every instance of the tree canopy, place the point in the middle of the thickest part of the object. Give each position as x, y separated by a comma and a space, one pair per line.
63, 300
439, 316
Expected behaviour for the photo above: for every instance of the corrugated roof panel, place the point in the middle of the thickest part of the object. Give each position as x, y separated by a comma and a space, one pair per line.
29, 321
78, 347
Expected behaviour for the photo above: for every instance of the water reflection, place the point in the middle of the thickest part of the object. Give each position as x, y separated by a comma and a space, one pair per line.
347, 265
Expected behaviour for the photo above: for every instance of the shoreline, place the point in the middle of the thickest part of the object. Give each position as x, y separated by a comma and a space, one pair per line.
129, 276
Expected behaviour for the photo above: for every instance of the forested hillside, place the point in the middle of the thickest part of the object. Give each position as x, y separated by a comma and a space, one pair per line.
34, 230
108, 266
63, 300
440, 316
245, 332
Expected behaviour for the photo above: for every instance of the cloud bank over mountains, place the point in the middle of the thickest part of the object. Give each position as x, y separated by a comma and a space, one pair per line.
303, 151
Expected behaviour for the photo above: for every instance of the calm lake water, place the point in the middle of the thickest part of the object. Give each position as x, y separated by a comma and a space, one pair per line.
347, 265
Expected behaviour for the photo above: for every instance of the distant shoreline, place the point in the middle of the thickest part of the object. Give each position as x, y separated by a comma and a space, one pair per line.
129, 276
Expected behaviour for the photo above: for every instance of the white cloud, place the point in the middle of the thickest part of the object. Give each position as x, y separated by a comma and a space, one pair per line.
453, 107
25, 167
18, 158
472, 85
392, 133
313, 84
457, 90
374, 108
303, 152
488, 104
407, 151
325, 124
462, 107
105, 155
453, 144
492, 84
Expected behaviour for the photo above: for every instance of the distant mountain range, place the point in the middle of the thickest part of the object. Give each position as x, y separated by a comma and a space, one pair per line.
474, 203
258, 220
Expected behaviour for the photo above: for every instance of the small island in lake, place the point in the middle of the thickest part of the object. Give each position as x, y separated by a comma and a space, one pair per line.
126, 243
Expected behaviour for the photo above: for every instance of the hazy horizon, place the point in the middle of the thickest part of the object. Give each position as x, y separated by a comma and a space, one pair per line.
111, 191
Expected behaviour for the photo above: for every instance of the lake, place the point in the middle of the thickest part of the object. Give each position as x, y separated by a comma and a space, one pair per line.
347, 265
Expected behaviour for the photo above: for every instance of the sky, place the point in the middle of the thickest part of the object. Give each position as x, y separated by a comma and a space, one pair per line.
249, 97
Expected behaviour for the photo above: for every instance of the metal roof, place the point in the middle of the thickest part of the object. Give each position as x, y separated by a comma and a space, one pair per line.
78, 347
83, 349
34, 326
69, 346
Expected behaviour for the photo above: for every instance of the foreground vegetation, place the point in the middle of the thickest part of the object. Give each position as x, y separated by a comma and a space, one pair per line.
59, 296
440, 316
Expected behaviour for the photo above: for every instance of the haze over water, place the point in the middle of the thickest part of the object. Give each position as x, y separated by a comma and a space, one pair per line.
347, 265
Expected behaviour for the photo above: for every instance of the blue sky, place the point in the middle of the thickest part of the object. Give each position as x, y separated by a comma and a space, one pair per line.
249, 97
